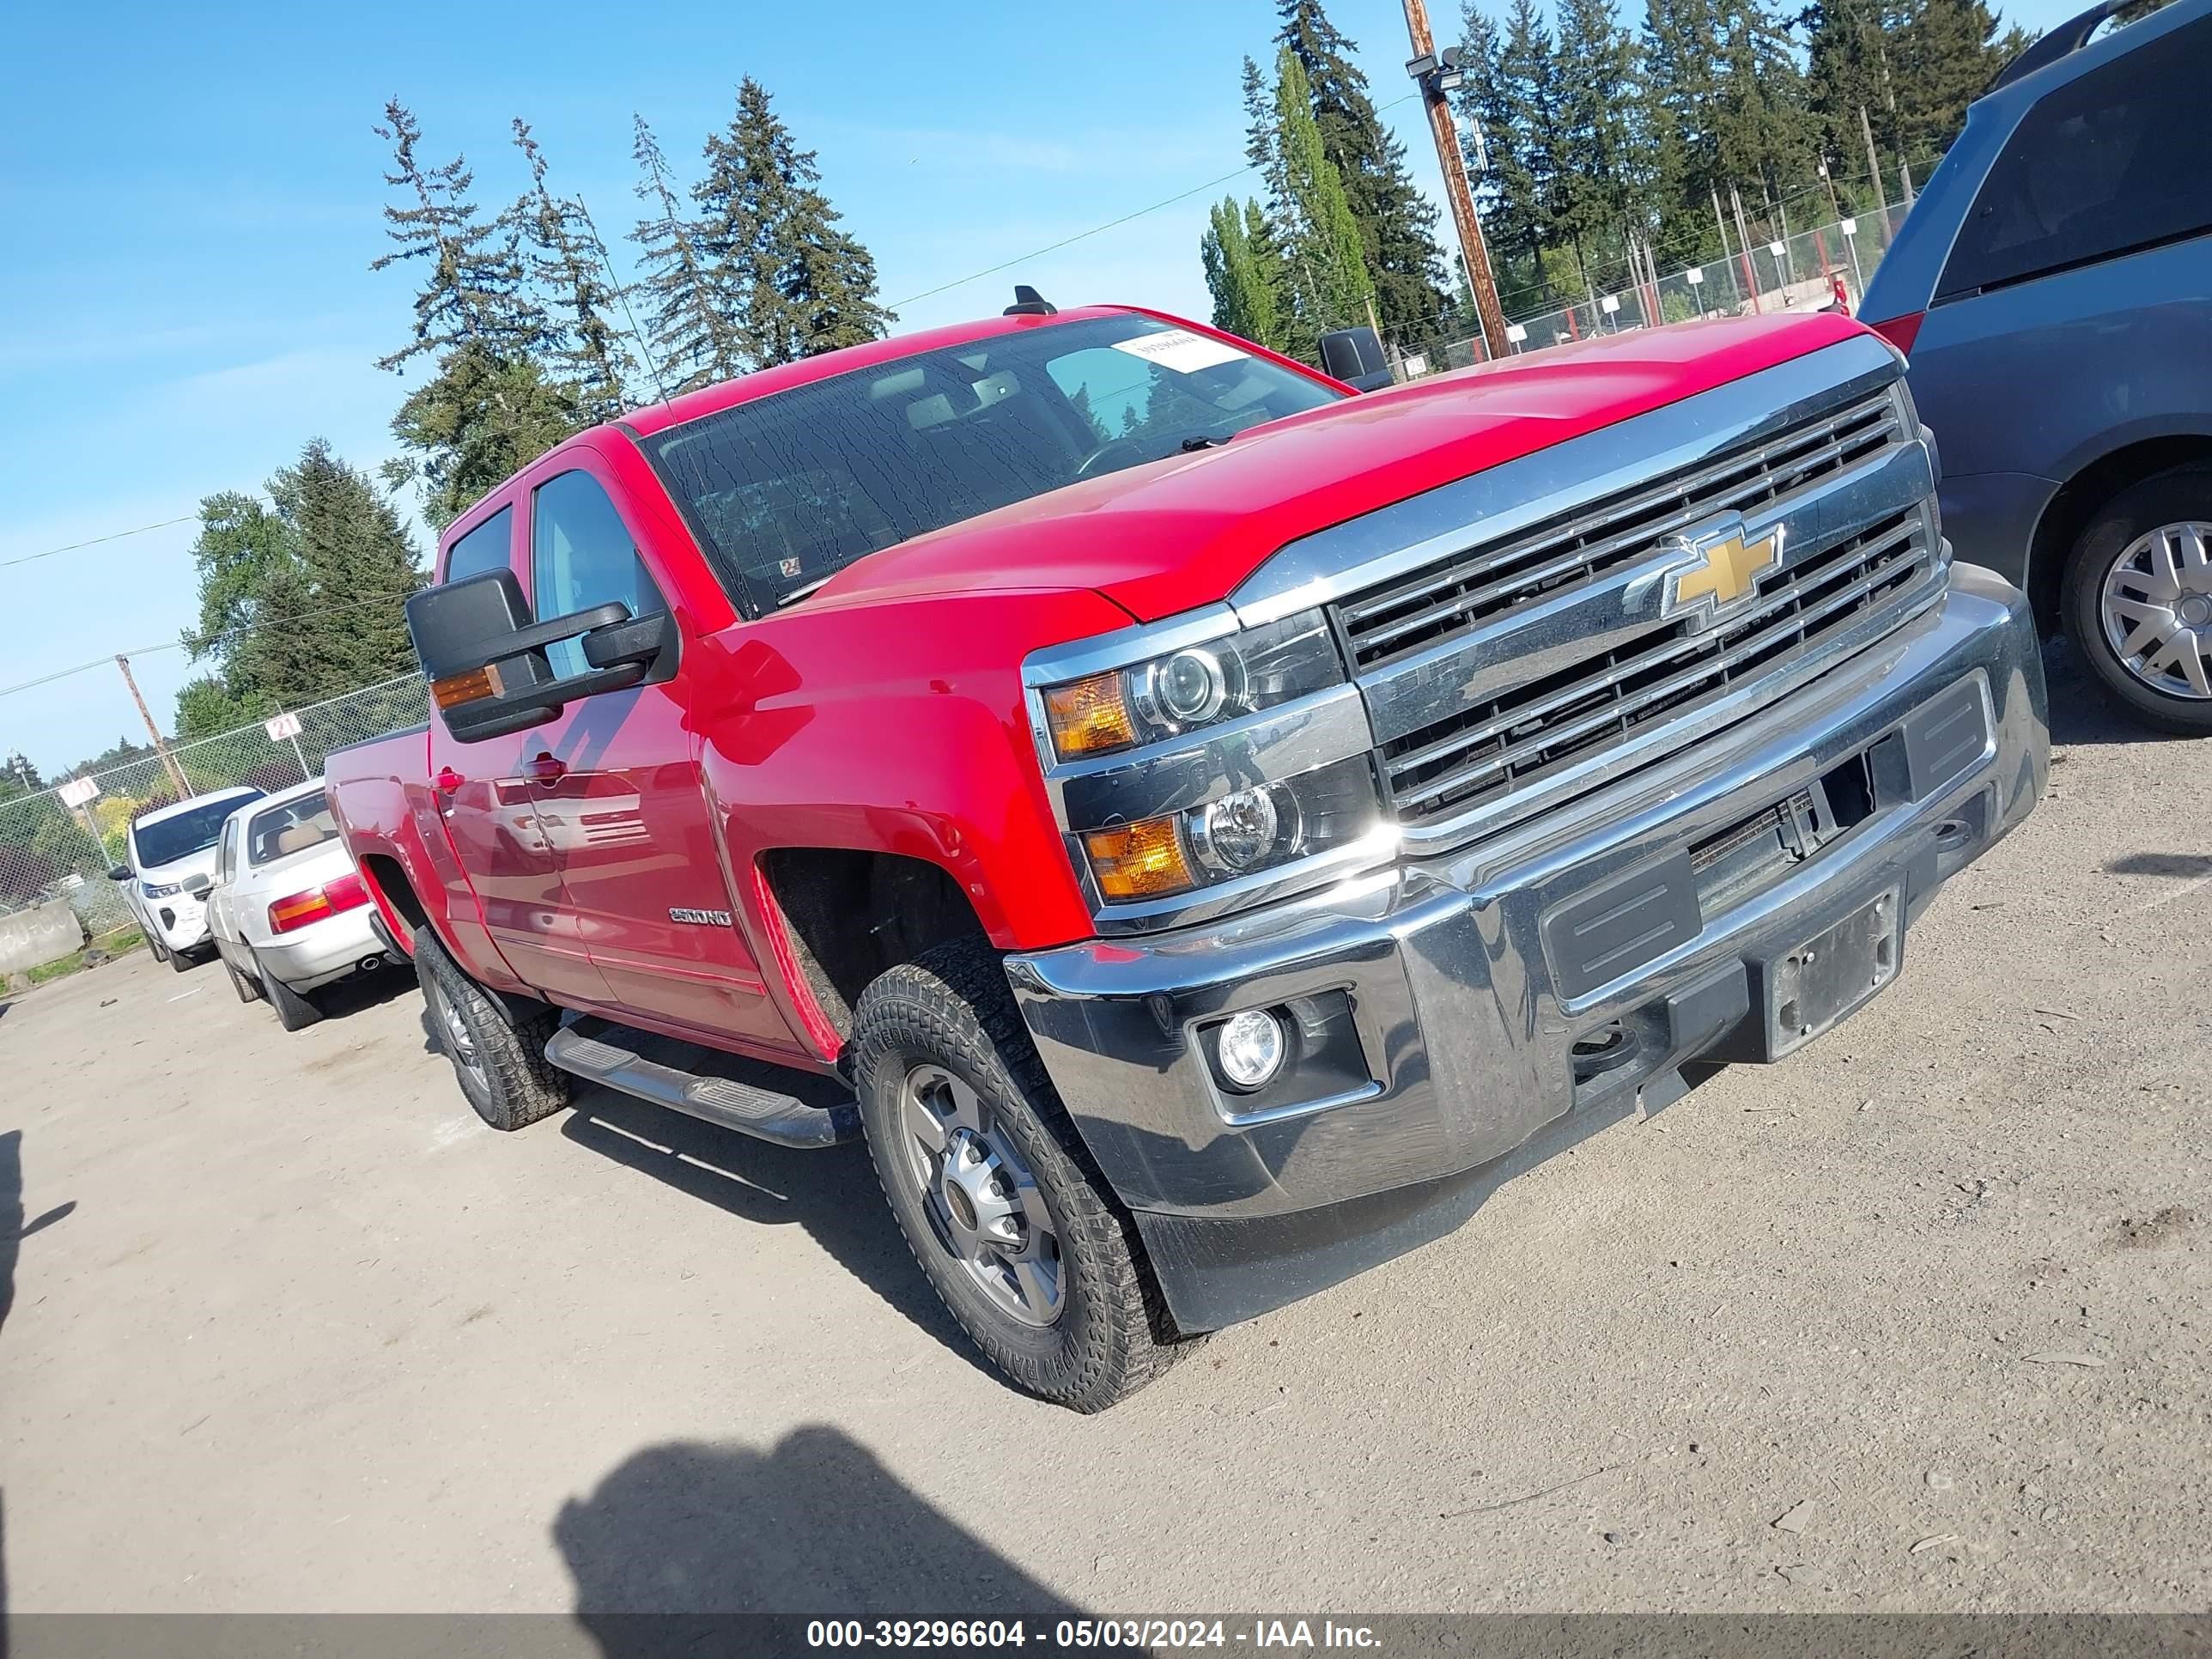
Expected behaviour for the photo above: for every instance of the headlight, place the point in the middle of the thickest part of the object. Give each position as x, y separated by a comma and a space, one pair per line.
166, 890
1194, 687
1253, 829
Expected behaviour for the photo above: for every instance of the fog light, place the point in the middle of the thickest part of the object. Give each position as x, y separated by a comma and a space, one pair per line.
1250, 1048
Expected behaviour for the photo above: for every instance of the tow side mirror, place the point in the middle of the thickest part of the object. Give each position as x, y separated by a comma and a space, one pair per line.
1355, 356
485, 658
199, 886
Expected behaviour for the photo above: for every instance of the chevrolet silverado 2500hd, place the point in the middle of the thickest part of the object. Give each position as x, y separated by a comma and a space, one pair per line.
1205, 817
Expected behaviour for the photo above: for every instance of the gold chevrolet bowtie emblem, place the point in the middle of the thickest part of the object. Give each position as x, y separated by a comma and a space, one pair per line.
1719, 570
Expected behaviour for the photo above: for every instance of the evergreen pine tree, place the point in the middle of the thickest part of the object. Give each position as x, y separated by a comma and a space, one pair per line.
693, 331
483, 418
474, 290
357, 564
1605, 164
1948, 53
1329, 268
566, 263
492, 399
1397, 223
797, 284
1507, 197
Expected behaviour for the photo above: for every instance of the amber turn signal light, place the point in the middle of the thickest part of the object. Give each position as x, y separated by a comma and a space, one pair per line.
1139, 860
474, 686
1089, 716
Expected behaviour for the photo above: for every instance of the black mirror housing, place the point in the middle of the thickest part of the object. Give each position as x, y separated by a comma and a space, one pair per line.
486, 662
120, 873
1355, 356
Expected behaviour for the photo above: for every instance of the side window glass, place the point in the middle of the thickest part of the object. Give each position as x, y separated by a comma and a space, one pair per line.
485, 547
2095, 170
582, 556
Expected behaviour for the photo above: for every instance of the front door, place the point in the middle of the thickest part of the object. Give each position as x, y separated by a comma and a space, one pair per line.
619, 795
484, 797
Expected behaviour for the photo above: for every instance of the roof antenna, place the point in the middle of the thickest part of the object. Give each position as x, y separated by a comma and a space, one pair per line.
1028, 302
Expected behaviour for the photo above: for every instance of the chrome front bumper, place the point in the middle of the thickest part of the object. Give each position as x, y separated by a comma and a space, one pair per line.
1466, 1026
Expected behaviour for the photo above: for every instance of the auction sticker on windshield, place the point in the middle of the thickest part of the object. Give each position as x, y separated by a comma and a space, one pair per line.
1180, 350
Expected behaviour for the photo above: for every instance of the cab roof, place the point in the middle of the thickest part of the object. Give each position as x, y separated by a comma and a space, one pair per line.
657, 417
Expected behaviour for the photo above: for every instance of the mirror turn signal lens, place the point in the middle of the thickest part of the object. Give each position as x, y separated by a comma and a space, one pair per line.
1139, 860
1089, 716
475, 686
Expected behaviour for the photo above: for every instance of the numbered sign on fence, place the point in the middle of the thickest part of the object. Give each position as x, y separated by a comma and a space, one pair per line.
79, 791
1694, 277
283, 726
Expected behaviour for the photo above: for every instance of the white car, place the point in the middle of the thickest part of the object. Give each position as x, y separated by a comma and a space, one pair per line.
167, 847
289, 911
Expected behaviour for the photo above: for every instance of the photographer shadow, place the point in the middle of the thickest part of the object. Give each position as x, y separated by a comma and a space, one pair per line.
815, 1525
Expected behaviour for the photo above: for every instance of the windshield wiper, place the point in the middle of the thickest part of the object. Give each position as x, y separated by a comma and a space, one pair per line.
1191, 446
803, 590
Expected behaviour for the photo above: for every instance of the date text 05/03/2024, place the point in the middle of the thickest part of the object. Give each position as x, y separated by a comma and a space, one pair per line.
1077, 1635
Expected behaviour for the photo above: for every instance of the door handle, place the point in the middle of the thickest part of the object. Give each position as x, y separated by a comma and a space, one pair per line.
448, 780
546, 769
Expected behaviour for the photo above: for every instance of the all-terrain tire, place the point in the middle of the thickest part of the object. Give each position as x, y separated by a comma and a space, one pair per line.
953, 1009
2173, 498
506, 1077
295, 1010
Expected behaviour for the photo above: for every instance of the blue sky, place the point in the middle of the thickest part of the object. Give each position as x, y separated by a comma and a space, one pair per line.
189, 204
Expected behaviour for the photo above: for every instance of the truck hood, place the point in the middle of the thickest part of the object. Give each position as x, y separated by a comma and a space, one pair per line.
1184, 532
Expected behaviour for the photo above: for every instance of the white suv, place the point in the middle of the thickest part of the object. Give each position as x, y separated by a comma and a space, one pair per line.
166, 848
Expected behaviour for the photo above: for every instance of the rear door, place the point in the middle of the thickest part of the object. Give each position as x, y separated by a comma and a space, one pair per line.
490, 815
223, 913
617, 783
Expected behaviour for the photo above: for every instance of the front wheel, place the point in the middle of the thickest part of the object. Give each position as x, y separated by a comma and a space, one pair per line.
496, 1043
996, 1195
2138, 600
155, 948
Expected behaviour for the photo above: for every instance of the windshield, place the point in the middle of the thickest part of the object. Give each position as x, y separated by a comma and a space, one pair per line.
292, 827
790, 489
191, 831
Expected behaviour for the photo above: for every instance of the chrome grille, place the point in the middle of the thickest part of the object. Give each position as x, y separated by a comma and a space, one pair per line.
1645, 686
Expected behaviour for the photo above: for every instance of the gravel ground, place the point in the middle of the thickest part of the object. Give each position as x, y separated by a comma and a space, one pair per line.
1919, 1319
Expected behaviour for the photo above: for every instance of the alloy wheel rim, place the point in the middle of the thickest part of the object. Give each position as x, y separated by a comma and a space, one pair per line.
981, 1199
2157, 607
460, 1044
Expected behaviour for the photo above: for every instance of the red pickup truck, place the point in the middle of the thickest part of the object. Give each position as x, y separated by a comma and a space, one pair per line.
1189, 818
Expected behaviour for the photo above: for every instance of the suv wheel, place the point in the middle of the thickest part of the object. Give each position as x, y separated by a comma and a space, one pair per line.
496, 1043
155, 948
2138, 600
998, 1198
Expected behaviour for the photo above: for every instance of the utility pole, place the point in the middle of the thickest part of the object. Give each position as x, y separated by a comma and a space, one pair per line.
1905, 176
1437, 76
168, 760
1721, 225
1743, 240
1835, 212
1873, 171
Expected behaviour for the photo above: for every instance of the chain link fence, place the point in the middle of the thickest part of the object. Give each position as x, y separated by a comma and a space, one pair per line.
54, 846
1799, 272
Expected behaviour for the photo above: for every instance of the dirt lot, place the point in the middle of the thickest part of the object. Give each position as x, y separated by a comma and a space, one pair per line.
1921, 1318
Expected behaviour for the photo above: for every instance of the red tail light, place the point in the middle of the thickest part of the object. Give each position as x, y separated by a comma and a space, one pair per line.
1901, 332
346, 893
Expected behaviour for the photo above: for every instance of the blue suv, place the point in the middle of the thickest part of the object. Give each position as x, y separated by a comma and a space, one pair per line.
2052, 291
